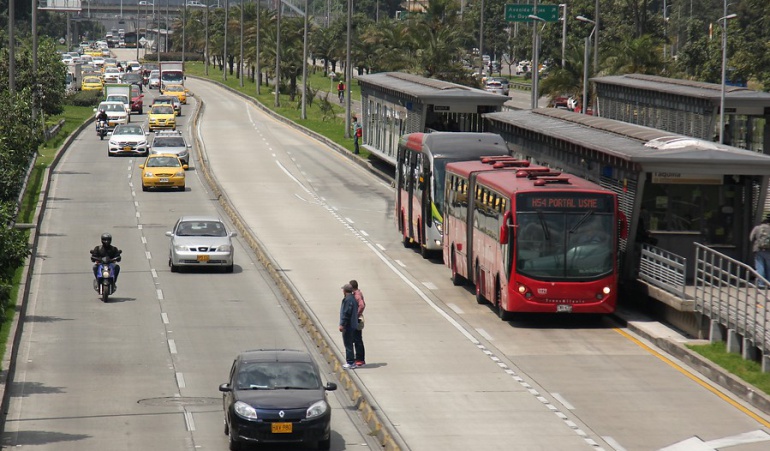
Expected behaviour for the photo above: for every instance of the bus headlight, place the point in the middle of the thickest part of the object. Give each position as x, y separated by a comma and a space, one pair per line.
439, 226
606, 290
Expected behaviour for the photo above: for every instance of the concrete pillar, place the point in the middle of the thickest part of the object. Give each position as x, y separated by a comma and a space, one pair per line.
733, 341
715, 332
750, 352
766, 363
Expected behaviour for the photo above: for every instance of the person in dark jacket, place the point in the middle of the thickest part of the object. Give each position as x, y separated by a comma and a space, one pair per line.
106, 250
348, 324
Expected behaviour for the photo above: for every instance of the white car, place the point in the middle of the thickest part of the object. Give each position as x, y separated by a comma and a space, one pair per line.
116, 113
122, 99
128, 139
112, 75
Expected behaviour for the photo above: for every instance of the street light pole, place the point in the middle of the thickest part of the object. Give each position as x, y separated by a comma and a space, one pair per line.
206, 44
304, 67
348, 70
535, 62
224, 51
724, 20
584, 103
563, 34
240, 64
184, 28
278, 54
258, 75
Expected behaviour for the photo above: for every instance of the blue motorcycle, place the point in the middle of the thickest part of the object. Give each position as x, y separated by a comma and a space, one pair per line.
104, 283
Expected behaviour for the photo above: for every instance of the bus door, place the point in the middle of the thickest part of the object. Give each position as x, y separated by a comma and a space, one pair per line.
415, 192
470, 223
401, 181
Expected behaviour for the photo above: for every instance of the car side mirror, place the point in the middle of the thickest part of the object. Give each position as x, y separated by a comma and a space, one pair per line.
225, 388
185, 167
141, 166
330, 386
169, 233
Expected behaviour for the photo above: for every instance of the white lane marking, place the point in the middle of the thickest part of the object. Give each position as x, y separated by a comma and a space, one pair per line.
180, 380
430, 286
613, 443
363, 233
148, 255
164, 317
188, 419
138, 215
172, 345
154, 273
139, 227
144, 240
159, 293
381, 247
400, 263
484, 334
350, 221
563, 401
696, 444
136, 204
455, 309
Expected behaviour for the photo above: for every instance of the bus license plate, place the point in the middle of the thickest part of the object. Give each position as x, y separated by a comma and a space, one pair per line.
563, 308
203, 258
280, 428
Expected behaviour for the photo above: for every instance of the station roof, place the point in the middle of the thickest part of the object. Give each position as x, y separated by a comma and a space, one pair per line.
429, 90
712, 92
648, 149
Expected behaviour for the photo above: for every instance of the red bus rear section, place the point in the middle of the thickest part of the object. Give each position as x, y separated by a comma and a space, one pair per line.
531, 239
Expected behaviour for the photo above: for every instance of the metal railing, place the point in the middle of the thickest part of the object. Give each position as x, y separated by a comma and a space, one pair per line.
726, 292
663, 269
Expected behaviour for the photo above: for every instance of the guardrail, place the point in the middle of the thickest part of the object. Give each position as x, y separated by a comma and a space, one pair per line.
663, 269
726, 292
519, 86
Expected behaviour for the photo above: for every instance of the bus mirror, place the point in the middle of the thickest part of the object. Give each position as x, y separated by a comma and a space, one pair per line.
623, 225
505, 227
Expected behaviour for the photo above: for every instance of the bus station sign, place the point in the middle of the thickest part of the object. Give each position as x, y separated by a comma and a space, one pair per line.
521, 13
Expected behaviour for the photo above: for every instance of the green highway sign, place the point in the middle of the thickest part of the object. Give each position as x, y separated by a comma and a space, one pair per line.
520, 13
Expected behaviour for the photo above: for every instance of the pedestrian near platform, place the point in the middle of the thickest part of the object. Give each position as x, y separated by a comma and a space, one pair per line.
358, 338
348, 324
357, 134
760, 244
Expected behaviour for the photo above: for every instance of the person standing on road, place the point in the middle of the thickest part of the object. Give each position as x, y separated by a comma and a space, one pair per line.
760, 244
358, 338
358, 132
348, 324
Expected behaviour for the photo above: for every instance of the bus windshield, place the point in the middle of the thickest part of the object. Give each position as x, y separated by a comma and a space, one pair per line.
564, 244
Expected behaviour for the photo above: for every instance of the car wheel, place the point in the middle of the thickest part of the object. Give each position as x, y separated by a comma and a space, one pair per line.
324, 445
181, 188
229, 269
227, 428
235, 445
145, 188
175, 268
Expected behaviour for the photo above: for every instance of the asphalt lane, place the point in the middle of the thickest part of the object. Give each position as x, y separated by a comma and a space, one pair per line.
142, 371
445, 371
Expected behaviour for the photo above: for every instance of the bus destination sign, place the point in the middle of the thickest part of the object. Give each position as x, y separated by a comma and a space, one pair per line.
531, 202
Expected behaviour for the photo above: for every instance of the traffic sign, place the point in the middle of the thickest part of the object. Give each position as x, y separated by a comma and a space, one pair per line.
521, 13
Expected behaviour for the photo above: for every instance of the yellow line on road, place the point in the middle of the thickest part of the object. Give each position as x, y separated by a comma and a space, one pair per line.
695, 378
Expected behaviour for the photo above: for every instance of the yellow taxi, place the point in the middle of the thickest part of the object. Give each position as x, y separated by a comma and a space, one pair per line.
91, 83
161, 116
163, 171
94, 52
176, 90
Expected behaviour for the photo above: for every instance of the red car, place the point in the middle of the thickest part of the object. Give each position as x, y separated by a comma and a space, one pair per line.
137, 100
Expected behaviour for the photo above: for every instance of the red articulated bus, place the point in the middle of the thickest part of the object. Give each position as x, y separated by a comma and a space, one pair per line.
530, 239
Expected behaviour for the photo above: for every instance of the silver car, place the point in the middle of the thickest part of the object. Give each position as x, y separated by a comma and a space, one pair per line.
154, 80
171, 142
201, 241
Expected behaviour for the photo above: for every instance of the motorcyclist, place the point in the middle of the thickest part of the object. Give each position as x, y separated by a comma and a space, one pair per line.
106, 250
101, 116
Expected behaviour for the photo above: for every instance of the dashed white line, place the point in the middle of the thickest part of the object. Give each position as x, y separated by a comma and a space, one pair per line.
563, 401
159, 292
613, 443
154, 273
164, 317
363, 233
455, 309
350, 221
172, 346
136, 203
180, 380
138, 215
380, 247
148, 255
484, 334
430, 286
400, 263
139, 227
144, 240
188, 419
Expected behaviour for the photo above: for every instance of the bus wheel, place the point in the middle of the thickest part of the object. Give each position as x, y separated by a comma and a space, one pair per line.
457, 279
501, 312
424, 252
407, 242
479, 297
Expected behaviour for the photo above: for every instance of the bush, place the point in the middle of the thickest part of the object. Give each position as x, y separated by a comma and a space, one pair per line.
84, 98
172, 56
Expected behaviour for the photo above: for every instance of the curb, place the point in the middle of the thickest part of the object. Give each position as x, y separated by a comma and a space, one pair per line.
17, 325
364, 402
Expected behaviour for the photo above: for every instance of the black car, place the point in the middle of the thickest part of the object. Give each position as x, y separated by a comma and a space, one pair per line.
276, 396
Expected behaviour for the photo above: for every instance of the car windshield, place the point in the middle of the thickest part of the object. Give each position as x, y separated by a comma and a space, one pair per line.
201, 228
116, 98
174, 88
165, 100
92, 80
277, 376
176, 141
128, 130
114, 107
162, 110
163, 162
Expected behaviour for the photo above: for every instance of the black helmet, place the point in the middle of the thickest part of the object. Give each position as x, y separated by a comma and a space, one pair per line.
106, 239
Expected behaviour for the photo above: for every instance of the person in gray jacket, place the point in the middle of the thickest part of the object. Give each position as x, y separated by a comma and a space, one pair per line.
348, 324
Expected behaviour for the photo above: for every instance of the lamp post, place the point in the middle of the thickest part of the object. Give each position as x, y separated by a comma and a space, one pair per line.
563, 34
481, 41
348, 70
258, 75
279, 7
724, 20
535, 63
206, 44
224, 44
240, 64
584, 106
304, 66
184, 27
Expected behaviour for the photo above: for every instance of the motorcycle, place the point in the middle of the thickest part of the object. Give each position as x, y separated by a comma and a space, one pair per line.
101, 129
104, 283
